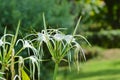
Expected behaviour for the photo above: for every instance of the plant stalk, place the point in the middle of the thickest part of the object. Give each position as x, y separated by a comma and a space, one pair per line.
12, 65
2, 70
55, 71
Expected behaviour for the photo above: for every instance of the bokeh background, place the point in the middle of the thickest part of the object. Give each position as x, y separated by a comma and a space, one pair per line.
100, 24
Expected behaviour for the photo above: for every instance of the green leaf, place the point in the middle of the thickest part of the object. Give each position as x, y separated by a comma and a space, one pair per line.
76, 27
24, 75
13, 41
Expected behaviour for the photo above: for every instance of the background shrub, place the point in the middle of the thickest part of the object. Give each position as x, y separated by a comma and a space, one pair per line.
106, 39
30, 13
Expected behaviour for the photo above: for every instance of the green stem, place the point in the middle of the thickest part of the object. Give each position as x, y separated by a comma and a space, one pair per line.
12, 65
20, 50
55, 71
2, 70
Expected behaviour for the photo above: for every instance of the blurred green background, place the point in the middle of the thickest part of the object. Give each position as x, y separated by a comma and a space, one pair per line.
100, 24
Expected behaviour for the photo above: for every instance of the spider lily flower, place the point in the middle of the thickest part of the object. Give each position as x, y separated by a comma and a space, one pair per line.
26, 44
41, 37
2, 39
21, 60
33, 58
79, 48
34, 62
58, 37
1, 42
69, 38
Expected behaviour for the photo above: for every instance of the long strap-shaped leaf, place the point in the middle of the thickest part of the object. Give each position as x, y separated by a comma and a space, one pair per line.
13, 42
24, 75
76, 27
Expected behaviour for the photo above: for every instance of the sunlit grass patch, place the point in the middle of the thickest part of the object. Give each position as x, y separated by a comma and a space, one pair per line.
94, 70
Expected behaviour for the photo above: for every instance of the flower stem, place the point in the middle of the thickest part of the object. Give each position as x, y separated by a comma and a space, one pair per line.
55, 71
19, 51
12, 65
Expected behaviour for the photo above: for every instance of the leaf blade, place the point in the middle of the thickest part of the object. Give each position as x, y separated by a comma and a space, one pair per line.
24, 75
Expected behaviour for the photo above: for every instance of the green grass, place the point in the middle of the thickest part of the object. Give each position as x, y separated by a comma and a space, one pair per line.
93, 70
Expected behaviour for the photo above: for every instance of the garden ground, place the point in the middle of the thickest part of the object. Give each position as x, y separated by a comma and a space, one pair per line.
106, 67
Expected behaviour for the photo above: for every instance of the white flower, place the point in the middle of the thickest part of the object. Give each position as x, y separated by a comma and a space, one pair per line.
58, 37
2, 39
33, 58
69, 38
21, 60
43, 37
27, 44
79, 48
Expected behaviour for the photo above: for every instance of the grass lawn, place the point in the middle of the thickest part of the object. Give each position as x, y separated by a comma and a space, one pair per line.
95, 69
